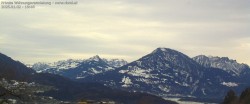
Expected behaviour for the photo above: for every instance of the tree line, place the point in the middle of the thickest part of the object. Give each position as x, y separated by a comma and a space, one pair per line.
232, 98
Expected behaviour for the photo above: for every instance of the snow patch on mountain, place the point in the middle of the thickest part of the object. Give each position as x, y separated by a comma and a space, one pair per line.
95, 71
164, 88
115, 62
126, 81
229, 84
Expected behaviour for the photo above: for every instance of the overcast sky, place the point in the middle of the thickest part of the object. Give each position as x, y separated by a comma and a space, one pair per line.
127, 29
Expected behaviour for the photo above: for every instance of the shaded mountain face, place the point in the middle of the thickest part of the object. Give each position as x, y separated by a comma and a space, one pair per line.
68, 90
76, 69
13, 69
228, 65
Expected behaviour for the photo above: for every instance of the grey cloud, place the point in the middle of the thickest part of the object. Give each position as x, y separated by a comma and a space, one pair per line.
135, 26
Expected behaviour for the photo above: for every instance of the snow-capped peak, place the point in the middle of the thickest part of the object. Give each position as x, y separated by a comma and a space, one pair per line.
95, 58
64, 65
161, 49
229, 65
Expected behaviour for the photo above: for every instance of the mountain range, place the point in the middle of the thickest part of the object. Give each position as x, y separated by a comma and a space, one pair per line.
231, 66
76, 69
166, 72
69, 90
